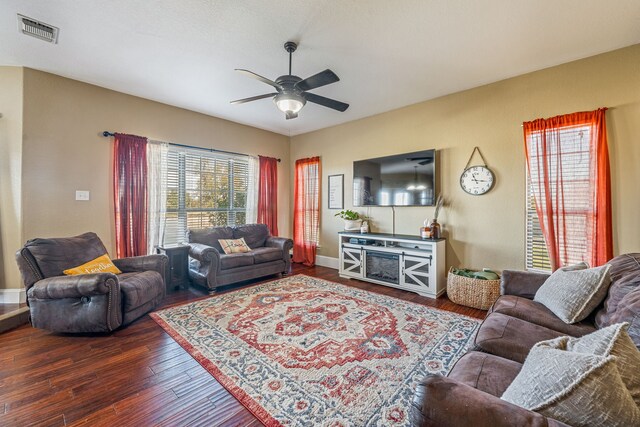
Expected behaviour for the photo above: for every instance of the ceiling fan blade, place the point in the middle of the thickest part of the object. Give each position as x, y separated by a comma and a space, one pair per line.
253, 98
326, 102
291, 115
323, 78
259, 77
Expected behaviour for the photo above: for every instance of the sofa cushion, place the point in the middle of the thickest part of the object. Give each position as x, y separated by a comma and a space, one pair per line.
139, 288
534, 312
485, 372
576, 388
254, 234
261, 255
210, 236
236, 260
510, 337
55, 255
623, 300
573, 294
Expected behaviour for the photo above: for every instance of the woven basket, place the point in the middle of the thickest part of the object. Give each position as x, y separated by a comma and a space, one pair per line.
470, 292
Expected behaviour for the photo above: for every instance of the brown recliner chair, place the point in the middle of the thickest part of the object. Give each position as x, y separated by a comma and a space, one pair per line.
98, 302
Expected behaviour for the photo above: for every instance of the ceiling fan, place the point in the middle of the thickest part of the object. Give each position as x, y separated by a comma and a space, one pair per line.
292, 93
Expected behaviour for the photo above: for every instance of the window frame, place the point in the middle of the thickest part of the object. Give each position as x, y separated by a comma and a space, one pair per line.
177, 159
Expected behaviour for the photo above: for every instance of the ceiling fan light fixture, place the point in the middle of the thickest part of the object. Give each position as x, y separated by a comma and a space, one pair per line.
289, 102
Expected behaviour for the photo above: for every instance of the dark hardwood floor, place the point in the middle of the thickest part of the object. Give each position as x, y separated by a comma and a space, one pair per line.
135, 376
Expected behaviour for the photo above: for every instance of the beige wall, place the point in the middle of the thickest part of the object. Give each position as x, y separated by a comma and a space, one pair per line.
64, 151
488, 231
11, 79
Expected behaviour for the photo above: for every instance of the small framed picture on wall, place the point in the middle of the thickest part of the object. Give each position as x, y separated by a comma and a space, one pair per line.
336, 191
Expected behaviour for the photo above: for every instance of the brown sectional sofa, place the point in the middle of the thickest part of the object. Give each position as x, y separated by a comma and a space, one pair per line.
211, 268
470, 394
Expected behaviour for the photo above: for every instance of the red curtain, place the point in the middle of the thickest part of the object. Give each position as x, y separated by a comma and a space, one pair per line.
568, 163
268, 194
130, 194
306, 211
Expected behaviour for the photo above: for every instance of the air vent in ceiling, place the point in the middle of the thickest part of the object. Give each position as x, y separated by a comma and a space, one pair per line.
37, 29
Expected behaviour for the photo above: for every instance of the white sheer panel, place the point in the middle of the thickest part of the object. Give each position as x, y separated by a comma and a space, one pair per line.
157, 184
252, 190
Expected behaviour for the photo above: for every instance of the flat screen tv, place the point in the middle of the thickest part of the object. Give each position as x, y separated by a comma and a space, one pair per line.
400, 180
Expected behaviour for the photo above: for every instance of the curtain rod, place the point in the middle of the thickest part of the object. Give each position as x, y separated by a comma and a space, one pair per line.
213, 150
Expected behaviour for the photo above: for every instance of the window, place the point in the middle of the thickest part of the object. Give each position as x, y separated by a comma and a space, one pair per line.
568, 163
204, 190
306, 210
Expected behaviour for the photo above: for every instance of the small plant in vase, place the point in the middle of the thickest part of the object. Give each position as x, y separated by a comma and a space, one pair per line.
352, 219
434, 227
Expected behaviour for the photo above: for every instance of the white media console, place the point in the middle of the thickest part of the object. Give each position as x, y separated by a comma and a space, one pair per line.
400, 261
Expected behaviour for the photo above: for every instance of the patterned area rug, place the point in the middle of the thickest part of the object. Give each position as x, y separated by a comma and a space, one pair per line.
301, 351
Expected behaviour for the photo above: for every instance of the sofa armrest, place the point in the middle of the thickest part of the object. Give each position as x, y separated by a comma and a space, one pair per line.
204, 253
84, 285
156, 262
279, 242
521, 283
283, 244
441, 401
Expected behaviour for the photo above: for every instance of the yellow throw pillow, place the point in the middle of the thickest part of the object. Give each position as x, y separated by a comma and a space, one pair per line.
102, 264
234, 246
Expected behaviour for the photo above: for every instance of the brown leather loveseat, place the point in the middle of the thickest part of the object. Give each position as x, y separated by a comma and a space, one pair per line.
470, 394
211, 268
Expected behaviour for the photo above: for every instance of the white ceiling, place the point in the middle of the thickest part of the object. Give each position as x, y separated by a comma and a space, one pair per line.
388, 54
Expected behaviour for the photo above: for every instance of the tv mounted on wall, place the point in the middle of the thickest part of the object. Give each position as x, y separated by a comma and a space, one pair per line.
400, 180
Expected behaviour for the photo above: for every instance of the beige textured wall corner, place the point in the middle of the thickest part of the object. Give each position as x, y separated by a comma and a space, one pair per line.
488, 231
11, 81
64, 151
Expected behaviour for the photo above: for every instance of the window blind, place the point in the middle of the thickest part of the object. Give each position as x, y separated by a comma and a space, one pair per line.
204, 190
575, 168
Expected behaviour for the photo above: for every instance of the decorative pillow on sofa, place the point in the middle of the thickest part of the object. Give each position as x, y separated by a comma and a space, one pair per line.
573, 294
578, 389
234, 246
102, 264
614, 341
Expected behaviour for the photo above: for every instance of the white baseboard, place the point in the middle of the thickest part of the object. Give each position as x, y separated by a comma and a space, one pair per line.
12, 296
327, 261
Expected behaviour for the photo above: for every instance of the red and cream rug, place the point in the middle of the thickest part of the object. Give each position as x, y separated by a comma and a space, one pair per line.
302, 351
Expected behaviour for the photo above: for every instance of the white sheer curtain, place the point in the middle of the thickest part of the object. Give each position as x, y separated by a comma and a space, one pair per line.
252, 191
157, 185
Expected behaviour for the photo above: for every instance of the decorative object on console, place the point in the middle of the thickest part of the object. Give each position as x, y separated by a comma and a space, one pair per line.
305, 351
434, 227
477, 180
292, 93
352, 220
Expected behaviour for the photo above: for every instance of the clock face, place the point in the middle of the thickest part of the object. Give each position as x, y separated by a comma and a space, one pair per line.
477, 180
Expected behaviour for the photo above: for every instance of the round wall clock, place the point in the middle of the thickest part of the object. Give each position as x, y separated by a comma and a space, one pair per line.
477, 180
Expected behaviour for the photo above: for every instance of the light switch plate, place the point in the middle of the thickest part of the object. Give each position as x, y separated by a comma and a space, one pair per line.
82, 195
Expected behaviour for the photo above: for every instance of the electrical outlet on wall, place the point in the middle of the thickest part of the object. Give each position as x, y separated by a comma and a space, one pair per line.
82, 195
